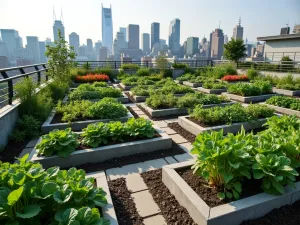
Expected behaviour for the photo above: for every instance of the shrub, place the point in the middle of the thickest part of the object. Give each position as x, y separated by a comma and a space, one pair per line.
132, 80
193, 99
27, 127
60, 142
143, 72
158, 100
288, 82
74, 110
175, 89
178, 65
230, 78
56, 90
221, 70
212, 85
142, 90
185, 77
90, 78
52, 196
252, 74
285, 102
104, 70
129, 66
99, 84
247, 89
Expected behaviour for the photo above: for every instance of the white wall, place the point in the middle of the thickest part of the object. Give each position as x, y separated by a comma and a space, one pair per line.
288, 46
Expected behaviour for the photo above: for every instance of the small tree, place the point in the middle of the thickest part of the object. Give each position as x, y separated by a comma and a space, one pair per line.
60, 59
235, 49
163, 64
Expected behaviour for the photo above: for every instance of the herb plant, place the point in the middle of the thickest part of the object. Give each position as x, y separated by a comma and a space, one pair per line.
285, 102
248, 89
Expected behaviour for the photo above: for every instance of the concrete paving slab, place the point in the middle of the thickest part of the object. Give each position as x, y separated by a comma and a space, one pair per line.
139, 112
183, 157
178, 139
155, 220
186, 146
170, 160
32, 143
175, 120
168, 130
145, 116
145, 204
135, 183
161, 124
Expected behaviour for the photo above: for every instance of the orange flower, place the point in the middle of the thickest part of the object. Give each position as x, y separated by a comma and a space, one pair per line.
90, 78
235, 78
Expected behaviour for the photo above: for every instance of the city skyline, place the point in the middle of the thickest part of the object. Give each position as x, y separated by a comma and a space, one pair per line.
89, 25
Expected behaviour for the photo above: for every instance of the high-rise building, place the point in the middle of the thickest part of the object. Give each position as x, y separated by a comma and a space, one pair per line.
42, 48
74, 41
249, 50
238, 31
154, 33
107, 28
116, 50
123, 30
146, 43
217, 42
133, 36
49, 42
296, 29
12, 40
98, 45
3, 49
82, 51
89, 44
3, 61
174, 36
225, 39
162, 41
58, 25
103, 53
33, 46
121, 40
192, 46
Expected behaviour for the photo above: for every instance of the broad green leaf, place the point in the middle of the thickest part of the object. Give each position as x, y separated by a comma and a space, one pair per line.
221, 195
234, 165
236, 195
14, 196
100, 201
62, 196
29, 211
49, 188
258, 174
68, 217
53, 171
238, 187
266, 183
228, 177
228, 194
19, 178
277, 186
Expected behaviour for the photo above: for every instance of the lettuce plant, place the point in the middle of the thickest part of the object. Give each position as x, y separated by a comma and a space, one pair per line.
139, 128
60, 142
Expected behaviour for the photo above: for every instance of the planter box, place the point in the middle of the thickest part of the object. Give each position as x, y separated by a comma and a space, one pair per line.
108, 210
177, 73
175, 111
79, 125
75, 85
138, 98
287, 92
178, 81
233, 213
211, 91
126, 71
234, 82
284, 110
104, 153
249, 99
196, 129
123, 99
194, 85
126, 87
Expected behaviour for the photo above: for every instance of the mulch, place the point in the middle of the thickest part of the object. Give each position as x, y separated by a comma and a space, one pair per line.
183, 132
12, 150
171, 210
123, 203
131, 159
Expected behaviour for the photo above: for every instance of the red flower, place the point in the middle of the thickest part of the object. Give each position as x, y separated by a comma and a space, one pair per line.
235, 78
90, 78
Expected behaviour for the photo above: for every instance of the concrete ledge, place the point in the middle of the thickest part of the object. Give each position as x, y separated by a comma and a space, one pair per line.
126, 87
249, 99
177, 73
283, 110
138, 98
176, 111
233, 213
286, 92
196, 129
178, 81
130, 72
108, 210
211, 91
104, 153
78, 125
194, 85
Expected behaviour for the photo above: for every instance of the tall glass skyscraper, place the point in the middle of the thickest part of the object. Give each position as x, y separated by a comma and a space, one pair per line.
174, 36
154, 34
58, 25
107, 28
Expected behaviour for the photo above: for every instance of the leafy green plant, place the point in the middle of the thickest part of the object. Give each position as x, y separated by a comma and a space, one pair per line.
285, 102
130, 66
143, 72
252, 73
235, 49
158, 101
288, 82
212, 85
193, 99
132, 80
31, 195
170, 88
249, 89
60, 142
74, 110
178, 65
27, 127
142, 90
98, 84
56, 90
139, 128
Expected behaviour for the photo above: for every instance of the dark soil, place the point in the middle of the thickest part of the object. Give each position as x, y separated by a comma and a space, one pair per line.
131, 159
210, 195
171, 210
159, 118
135, 115
12, 150
183, 132
285, 215
123, 203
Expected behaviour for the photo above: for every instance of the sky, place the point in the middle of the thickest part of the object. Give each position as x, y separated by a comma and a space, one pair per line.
198, 17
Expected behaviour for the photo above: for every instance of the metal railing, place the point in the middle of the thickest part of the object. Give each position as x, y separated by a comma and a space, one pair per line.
12, 75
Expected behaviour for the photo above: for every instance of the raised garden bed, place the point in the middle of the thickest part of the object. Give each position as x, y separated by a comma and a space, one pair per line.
177, 72
194, 128
128, 71
123, 99
76, 85
143, 98
248, 99
49, 125
283, 110
232, 213
190, 84
175, 111
108, 210
103, 153
286, 92
211, 91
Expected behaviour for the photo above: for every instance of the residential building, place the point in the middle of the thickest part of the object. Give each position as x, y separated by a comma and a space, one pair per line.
3, 62
249, 50
296, 29
133, 36
33, 46
225, 39
121, 40
217, 42
42, 48
12, 40
24, 54
174, 36
89, 45
74, 41
238, 31
123, 30
116, 50
154, 33
3, 49
146, 43
192, 46
58, 25
103, 53
107, 28
98, 45
82, 51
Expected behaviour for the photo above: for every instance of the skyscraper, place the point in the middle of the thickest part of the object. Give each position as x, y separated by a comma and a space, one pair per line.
98, 45
217, 42
154, 33
33, 47
133, 36
238, 31
121, 40
89, 44
123, 30
12, 40
225, 39
174, 36
74, 41
192, 46
42, 48
58, 25
107, 28
146, 43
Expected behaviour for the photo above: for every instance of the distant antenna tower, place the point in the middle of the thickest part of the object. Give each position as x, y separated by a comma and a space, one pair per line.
54, 16
219, 24
61, 16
